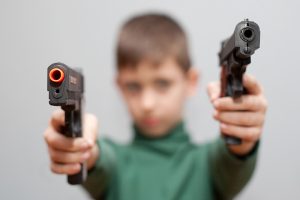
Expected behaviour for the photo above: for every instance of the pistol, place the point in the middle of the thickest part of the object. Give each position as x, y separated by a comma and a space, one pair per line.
234, 56
65, 86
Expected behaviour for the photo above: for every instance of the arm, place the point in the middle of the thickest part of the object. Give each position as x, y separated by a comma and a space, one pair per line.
243, 118
65, 86
101, 172
230, 173
67, 153
234, 56
232, 165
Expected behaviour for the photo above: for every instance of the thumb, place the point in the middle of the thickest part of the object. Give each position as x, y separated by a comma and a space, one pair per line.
90, 128
214, 90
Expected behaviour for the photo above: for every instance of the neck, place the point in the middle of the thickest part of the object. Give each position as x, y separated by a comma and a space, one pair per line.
167, 144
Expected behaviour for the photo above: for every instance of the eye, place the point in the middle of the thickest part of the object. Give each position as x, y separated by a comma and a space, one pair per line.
162, 84
133, 87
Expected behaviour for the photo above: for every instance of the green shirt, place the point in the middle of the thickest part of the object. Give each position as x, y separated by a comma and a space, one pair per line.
168, 168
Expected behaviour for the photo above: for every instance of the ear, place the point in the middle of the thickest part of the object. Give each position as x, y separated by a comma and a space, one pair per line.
192, 81
118, 82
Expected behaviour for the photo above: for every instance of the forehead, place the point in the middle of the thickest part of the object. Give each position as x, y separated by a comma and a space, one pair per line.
146, 71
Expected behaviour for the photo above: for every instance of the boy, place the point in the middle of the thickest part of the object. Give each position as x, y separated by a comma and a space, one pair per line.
155, 77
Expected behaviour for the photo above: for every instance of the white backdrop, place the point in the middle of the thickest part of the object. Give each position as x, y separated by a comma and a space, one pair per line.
36, 33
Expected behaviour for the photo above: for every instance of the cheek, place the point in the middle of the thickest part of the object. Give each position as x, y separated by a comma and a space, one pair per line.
173, 101
132, 106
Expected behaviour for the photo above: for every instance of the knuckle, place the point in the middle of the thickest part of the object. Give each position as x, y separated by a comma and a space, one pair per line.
250, 76
253, 134
265, 104
46, 135
54, 156
223, 129
219, 115
57, 118
250, 135
258, 132
252, 103
55, 169
262, 103
253, 80
71, 147
64, 168
49, 139
52, 119
73, 169
70, 144
211, 85
75, 144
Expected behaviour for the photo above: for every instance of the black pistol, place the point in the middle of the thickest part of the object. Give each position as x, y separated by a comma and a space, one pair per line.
234, 57
65, 86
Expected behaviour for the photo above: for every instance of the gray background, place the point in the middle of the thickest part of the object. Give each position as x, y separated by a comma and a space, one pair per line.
34, 34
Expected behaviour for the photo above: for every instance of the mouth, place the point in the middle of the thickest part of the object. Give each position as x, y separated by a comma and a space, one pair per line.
150, 122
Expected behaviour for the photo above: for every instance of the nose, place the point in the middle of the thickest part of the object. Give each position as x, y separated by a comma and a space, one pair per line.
148, 101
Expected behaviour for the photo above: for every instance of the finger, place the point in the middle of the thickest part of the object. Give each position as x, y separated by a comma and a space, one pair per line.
213, 90
248, 134
69, 169
251, 84
240, 118
60, 142
245, 102
64, 157
57, 119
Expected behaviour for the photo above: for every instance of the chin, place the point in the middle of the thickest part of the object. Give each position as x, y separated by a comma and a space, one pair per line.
154, 132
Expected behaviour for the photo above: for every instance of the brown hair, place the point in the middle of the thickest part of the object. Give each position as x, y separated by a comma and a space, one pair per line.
152, 37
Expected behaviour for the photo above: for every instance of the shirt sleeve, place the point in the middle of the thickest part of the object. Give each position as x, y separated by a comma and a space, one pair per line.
230, 173
99, 176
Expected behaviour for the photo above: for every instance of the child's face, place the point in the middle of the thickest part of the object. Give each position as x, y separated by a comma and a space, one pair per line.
155, 95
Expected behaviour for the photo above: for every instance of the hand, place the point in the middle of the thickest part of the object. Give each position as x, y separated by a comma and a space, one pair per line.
244, 118
66, 153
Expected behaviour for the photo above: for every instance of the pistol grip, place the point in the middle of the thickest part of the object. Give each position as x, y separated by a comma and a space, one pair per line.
79, 177
73, 129
232, 140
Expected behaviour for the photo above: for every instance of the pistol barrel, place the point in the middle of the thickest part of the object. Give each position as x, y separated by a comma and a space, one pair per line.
56, 75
